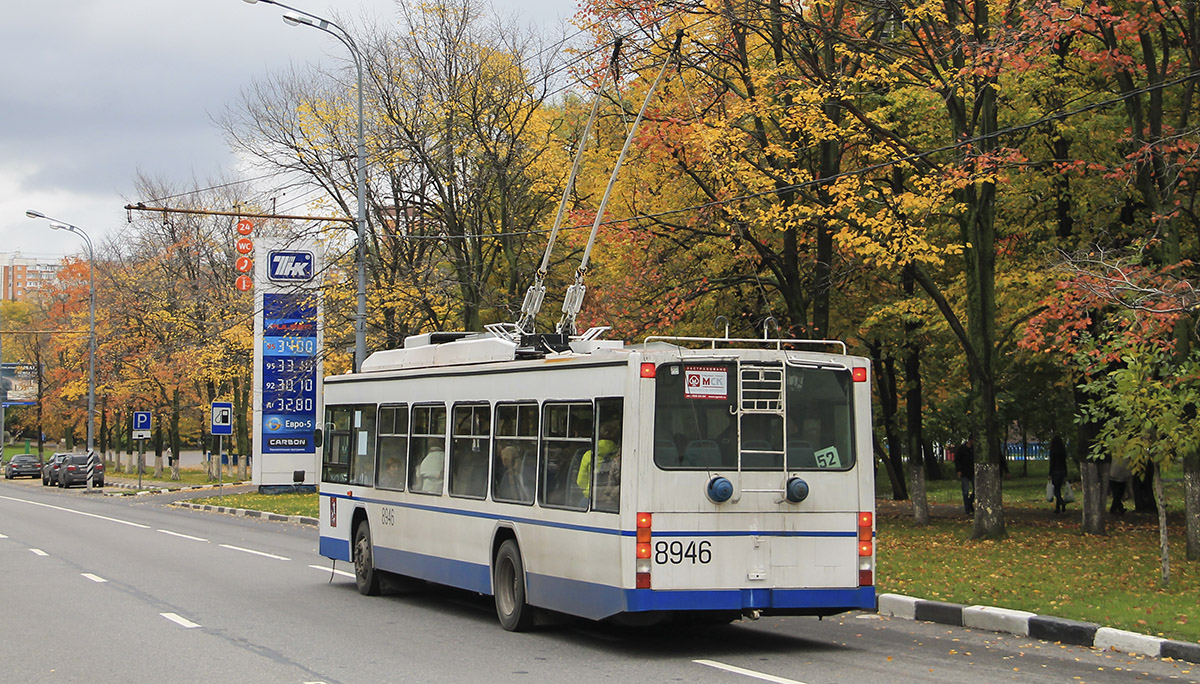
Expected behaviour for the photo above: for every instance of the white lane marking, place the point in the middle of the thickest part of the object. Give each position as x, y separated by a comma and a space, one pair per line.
343, 573
71, 510
95, 578
181, 621
3, 536
257, 553
184, 536
39, 552
748, 673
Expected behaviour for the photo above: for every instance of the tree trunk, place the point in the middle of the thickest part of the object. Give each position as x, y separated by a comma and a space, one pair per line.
1191, 499
1163, 541
158, 451
933, 465
173, 435
1095, 477
912, 409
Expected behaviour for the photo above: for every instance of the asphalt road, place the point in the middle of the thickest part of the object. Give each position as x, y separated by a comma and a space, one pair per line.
127, 589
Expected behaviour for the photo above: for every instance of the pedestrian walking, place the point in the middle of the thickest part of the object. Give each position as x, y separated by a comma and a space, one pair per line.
1058, 472
964, 465
1118, 480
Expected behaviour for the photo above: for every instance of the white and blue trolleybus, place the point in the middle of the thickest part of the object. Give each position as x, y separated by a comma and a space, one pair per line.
709, 478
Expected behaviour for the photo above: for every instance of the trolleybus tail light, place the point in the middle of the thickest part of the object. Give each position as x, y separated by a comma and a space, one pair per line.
866, 549
859, 373
642, 564
648, 370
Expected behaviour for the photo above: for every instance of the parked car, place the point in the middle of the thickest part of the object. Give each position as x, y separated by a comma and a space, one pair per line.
74, 470
22, 465
50, 470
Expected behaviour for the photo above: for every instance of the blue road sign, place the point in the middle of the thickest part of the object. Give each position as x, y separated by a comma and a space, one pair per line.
141, 424
222, 418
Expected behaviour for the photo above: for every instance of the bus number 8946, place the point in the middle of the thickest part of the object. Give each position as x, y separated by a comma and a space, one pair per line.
677, 553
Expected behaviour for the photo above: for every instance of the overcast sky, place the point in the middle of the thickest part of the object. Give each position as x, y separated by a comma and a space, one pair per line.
94, 91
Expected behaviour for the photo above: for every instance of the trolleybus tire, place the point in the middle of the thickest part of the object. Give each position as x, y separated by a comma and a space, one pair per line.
366, 576
508, 583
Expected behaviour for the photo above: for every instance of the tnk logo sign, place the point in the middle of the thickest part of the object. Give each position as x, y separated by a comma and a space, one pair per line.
290, 266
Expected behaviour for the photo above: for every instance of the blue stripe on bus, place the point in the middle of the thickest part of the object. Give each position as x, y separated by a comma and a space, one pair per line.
461, 574
597, 601
593, 529
337, 549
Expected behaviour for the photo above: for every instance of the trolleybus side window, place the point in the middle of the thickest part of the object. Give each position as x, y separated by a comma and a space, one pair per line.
393, 447
820, 433
427, 449
566, 437
469, 450
695, 418
362, 456
344, 427
514, 453
599, 476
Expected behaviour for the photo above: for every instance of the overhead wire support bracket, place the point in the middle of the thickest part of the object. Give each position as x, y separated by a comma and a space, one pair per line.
576, 291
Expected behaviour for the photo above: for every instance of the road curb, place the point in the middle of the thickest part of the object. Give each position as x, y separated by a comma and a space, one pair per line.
1045, 627
132, 489
249, 513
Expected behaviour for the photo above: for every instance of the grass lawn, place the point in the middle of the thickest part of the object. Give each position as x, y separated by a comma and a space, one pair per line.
187, 476
283, 504
1046, 566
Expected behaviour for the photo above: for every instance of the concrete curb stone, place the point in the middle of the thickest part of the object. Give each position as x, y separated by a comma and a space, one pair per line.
1044, 627
942, 613
1181, 650
1110, 639
997, 619
1049, 628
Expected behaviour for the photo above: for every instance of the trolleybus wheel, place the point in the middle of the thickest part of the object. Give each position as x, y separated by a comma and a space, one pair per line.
508, 581
365, 575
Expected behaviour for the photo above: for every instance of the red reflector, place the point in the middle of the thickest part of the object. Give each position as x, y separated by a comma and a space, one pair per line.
864, 534
865, 578
643, 580
647, 370
859, 374
643, 520
865, 548
643, 535
643, 550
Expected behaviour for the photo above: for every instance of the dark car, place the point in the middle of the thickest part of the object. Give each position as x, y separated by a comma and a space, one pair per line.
50, 470
74, 470
22, 465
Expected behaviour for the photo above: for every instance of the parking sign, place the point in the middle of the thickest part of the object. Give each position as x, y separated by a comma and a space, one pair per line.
141, 425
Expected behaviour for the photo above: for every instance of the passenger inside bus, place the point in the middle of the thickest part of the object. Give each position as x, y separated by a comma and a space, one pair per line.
606, 466
429, 474
515, 483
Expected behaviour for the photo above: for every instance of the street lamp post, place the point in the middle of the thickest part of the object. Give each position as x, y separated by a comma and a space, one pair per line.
55, 224
297, 17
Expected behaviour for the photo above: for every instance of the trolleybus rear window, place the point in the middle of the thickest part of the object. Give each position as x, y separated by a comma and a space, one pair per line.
713, 416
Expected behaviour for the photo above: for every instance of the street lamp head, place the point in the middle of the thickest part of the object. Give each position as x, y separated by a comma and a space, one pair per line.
34, 214
295, 19
55, 225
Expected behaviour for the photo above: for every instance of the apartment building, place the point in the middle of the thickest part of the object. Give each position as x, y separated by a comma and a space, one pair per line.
21, 275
